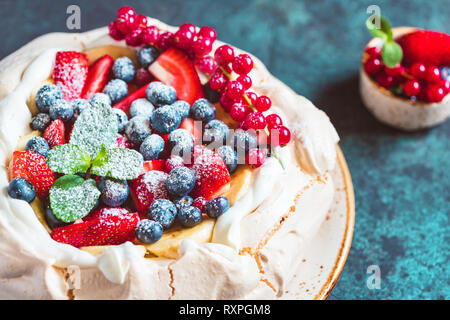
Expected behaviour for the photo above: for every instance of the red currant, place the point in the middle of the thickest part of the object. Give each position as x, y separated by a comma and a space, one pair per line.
218, 81
114, 32
202, 46
252, 97
280, 136
254, 120
434, 93
273, 121
411, 88
224, 55
206, 64
256, 157
385, 80
226, 102
183, 38
125, 12
239, 111
200, 203
150, 35
246, 81
263, 103
433, 74
235, 89
373, 66
418, 70
134, 38
395, 71
373, 52
208, 32
142, 76
446, 85
165, 40
127, 24
142, 21
242, 64
189, 27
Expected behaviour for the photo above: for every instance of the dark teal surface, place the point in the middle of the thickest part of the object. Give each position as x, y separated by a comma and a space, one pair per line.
401, 180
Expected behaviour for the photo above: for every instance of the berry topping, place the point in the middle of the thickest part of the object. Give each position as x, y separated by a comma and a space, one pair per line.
183, 108
200, 203
207, 32
165, 40
31, 166
224, 55
203, 110
125, 104
254, 120
148, 231
202, 46
183, 38
52, 221
122, 119
159, 165
38, 145
243, 141
239, 111
184, 201
216, 130
160, 94
78, 106
433, 74
273, 120
70, 73
385, 80
61, 109
434, 93
256, 157
100, 98
242, 64
189, 216
40, 122
418, 70
174, 68
147, 55
229, 157
245, 80
152, 146
137, 130
123, 69
150, 35
98, 76
47, 95
165, 119
263, 103
21, 189
206, 64
55, 133
173, 162
122, 142
148, 187
163, 211
113, 192
180, 181
141, 108
114, 31
411, 88
280, 136
373, 66
218, 81
216, 207
142, 77
180, 142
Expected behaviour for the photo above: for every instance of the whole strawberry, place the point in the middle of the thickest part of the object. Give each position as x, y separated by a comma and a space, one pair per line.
32, 167
428, 47
55, 133
70, 73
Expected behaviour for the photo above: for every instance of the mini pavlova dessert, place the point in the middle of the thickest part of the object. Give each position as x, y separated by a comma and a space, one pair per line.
143, 161
405, 76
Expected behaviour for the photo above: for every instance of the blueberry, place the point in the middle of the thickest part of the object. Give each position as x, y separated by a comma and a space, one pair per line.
116, 90
141, 107
190, 216
52, 221
216, 130
163, 211
216, 207
100, 98
123, 69
184, 201
243, 141
21, 189
160, 94
165, 119
46, 96
38, 145
113, 192
78, 106
213, 96
180, 182
445, 73
183, 108
122, 119
152, 146
61, 109
147, 55
40, 122
229, 157
137, 130
203, 110
148, 231
180, 142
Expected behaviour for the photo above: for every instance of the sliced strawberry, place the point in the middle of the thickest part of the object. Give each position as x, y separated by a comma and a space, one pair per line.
125, 104
147, 187
98, 76
211, 175
55, 134
190, 125
174, 68
428, 47
159, 165
70, 73
32, 167
105, 230
107, 212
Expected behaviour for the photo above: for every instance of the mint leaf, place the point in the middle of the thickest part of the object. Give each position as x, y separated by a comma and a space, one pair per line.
101, 156
391, 53
72, 198
384, 31
95, 126
118, 163
68, 159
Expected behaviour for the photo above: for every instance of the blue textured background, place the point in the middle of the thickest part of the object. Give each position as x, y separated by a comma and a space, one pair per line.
401, 180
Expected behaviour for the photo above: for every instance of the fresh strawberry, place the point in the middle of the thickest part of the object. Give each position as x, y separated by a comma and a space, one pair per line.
428, 47
211, 175
125, 104
104, 230
32, 167
159, 165
174, 68
98, 76
190, 125
55, 134
122, 142
70, 72
106, 213
147, 187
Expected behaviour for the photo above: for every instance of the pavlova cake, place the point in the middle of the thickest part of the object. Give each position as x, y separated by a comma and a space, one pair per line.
143, 161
